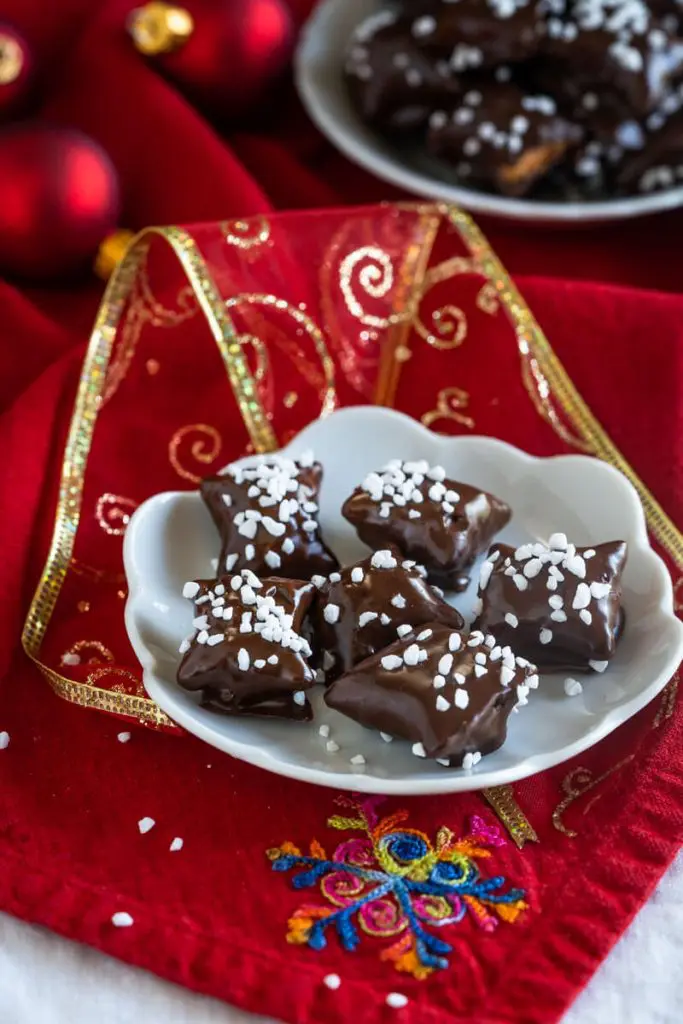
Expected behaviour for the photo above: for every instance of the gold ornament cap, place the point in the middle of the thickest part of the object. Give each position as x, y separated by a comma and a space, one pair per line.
111, 252
11, 59
158, 27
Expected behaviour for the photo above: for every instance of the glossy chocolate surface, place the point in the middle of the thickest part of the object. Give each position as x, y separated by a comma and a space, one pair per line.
440, 523
260, 663
280, 706
500, 137
445, 693
267, 518
393, 83
558, 606
638, 65
369, 605
478, 34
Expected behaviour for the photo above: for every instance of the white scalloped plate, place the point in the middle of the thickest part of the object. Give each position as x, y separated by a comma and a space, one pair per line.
320, 81
171, 539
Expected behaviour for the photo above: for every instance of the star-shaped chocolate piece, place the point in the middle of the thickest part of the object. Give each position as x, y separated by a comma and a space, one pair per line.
440, 523
267, 517
248, 655
557, 604
367, 606
447, 694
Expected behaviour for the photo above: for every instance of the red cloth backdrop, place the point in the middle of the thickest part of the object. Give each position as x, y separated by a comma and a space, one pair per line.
214, 916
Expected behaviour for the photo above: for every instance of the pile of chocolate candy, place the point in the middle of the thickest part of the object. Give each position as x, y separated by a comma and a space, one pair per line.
552, 99
394, 655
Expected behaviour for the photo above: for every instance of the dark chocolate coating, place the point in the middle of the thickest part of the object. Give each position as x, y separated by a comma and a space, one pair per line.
574, 642
393, 84
279, 706
403, 701
640, 66
445, 542
346, 641
501, 138
658, 164
296, 553
476, 34
245, 689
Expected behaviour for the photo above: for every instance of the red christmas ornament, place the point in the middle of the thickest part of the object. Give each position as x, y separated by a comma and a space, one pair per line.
16, 71
60, 197
222, 54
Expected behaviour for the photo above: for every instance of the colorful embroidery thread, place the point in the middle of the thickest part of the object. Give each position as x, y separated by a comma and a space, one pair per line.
392, 881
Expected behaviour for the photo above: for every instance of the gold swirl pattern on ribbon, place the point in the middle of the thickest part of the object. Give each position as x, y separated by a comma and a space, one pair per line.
375, 278
574, 785
203, 449
113, 512
450, 324
261, 368
328, 397
449, 405
246, 234
125, 677
78, 653
449, 320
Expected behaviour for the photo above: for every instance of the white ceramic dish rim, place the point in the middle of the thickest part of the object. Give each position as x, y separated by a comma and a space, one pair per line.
455, 781
357, 143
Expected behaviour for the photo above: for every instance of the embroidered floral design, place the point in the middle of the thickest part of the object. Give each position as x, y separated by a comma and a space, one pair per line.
392, 881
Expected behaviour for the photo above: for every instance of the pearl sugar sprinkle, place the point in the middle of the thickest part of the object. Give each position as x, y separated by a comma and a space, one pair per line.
561, 561
401, 484
265, 617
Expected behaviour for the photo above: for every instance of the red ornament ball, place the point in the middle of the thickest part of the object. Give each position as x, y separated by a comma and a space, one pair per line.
60, 198
235, 50
16, 71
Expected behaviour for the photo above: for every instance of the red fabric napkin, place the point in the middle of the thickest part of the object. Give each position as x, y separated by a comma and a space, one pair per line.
215, 915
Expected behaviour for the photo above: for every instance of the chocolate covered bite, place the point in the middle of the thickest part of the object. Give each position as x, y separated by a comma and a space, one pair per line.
556, 604
248, 655
440, 523
267, 517
448, 695
498, 137
367, 606
658, 163
477, 34
393, 84
615, 44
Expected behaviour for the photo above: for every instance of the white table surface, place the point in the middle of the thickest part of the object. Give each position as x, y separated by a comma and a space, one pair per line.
47, 980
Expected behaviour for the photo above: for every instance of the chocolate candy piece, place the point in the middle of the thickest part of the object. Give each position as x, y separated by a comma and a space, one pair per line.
248, 655
618, 44
500, 138
369, 605
474, 34
267, 517
448, 695
558, 605
593, 171
440, 523
393, 84
658, 163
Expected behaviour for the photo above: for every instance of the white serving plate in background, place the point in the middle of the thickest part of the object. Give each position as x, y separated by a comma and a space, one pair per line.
171, 539
319, 66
